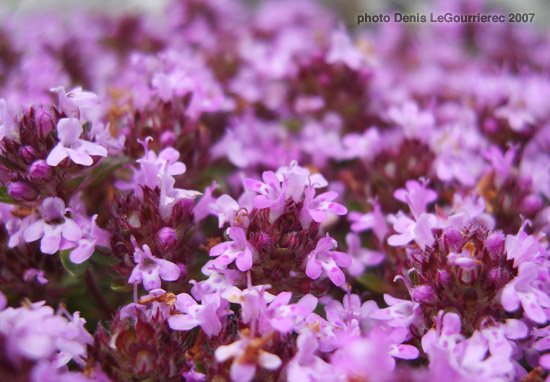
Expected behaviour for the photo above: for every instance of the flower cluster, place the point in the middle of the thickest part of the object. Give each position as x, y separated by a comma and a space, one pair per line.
237, 193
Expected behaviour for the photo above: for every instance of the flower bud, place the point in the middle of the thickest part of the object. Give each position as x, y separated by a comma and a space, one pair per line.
168, 138
40, 169
443, 277
424, 294
22, 192
531, 204
453, 239
490, 125
28, 154
166, 237
44, 122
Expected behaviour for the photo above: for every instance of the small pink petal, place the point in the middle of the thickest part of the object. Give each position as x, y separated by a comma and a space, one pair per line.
244, 261
58, 153
242, 372
313, 269
182, 322
80, 157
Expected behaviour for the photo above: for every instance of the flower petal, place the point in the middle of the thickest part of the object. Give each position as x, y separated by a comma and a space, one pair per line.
242, 372
313, 269
244, 260
269, 361
80, 157
58, 153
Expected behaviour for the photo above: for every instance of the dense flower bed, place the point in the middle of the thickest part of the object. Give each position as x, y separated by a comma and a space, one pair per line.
238, 193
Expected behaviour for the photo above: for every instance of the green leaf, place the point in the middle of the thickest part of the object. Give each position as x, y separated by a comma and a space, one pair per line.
74, 182
121, 286
75, 270
105, 168
100, 258
6, 198
372, 282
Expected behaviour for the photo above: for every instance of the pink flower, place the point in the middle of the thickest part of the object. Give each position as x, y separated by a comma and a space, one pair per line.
374, 221
33, 273
399, 313
56, 230
408, 230
226, 208
92, 236
522, 289
306, 365
272, 193
242, 369
343, 50
523, 247
414, 122
317, 208
150, 270
361, 257
70, 145
298, 178
323, 258
205, 315
239, 249
417, 196
76, 102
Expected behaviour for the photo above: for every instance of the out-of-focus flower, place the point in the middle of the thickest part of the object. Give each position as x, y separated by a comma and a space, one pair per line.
247, 355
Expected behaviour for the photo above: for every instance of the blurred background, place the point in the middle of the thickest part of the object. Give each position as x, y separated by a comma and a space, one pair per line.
348, 8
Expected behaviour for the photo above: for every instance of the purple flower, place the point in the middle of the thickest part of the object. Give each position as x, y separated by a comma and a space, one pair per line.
298, 178
151, 165
343, 50
33, 273
242, 368
472, 357
522, 289
92, 236
323, 258
415, 123
206, 315
501, 163
35, 332
76, 102
170, 195
399, 313
364, 357
523, 247
500, 337
150, 270
203, 207
408, 229
56, 230
239, 249
361, 257
270, 312
70, 145
417, 196
272, 193
306, 365
374, 221
316, 208
226, 209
